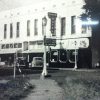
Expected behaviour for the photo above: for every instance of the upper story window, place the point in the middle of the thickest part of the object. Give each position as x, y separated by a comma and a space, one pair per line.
63, 25
86, 28
28, 27
17, 29
36, 27
73, 27
5, 31
11, 30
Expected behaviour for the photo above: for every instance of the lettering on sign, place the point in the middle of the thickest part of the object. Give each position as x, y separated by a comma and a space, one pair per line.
53, 16
83, 44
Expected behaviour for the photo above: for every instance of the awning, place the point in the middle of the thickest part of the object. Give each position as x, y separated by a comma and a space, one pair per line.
10, 51
34, 51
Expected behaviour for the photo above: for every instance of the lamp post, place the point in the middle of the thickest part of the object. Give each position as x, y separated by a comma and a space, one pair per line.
44, 23
75, 67
14, 66
15, 62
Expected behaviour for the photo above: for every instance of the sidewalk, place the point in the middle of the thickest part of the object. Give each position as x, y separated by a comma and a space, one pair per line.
45, 89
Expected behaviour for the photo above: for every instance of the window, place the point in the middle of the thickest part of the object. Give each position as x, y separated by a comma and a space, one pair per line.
84, 28
11, 30
17, 29
5, 31
43, 26
63, 55
73, 24
63, 20
28, 27
36, 27
54, 56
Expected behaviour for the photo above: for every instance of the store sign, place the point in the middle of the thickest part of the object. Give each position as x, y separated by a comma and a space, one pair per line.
53, 16
76, 43
84, 43
49, 42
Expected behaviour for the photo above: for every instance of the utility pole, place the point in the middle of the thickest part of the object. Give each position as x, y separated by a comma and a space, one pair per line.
15, 61
14, 68
75, 67
44, 23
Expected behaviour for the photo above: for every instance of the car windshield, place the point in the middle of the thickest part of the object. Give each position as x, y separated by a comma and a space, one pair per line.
38, 58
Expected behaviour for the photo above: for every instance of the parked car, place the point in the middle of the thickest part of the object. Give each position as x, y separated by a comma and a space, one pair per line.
37, 62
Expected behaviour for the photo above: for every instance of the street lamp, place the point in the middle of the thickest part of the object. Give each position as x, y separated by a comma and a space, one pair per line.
44, 23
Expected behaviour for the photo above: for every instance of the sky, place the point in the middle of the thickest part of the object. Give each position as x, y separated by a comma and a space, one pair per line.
10, 4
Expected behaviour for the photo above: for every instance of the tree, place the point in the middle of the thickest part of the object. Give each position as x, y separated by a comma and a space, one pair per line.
92, 10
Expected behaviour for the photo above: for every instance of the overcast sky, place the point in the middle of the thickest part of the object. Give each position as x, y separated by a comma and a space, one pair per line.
9, 4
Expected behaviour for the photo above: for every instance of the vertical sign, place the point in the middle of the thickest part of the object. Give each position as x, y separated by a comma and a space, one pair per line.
53, 16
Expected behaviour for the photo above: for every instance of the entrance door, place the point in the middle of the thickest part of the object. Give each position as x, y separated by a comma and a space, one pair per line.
62, 56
